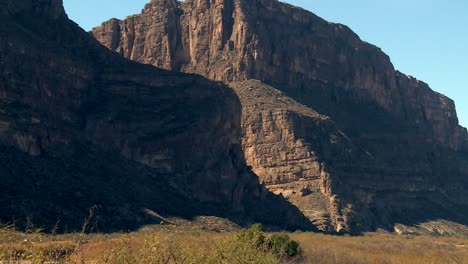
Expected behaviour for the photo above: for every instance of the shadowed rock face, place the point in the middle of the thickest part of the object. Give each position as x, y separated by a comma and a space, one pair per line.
379, 146
81, 128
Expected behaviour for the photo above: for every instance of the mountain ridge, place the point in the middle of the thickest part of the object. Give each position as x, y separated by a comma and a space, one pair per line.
413, 164
85, 133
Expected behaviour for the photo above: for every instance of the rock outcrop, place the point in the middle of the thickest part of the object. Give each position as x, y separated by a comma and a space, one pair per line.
400, 155
81, 128
294, 150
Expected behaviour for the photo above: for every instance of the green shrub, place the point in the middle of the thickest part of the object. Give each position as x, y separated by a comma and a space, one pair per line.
281, 245
253, 235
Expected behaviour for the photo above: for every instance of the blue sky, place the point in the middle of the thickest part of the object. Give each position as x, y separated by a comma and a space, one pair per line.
427, 39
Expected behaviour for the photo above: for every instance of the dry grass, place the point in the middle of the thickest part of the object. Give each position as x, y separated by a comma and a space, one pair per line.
155, 245
163, 244
33, 246
382, 248
171, 245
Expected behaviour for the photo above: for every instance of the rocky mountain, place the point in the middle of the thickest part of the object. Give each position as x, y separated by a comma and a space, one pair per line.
330, 124
85, 133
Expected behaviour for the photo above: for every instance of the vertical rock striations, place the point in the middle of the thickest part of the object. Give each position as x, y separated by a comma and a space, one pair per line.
399, 156
284, 46
81, 127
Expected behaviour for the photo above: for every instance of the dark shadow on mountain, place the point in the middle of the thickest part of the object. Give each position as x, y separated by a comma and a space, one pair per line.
109, 194
90, 138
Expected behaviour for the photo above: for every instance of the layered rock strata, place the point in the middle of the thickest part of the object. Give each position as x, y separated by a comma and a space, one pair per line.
295, 150
412, 156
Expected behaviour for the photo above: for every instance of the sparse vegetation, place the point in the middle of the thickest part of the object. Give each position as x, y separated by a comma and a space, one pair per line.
381, 248
169, 244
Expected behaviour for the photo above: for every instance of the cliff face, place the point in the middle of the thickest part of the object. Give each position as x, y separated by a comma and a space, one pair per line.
400, 155
284, 46
81, 128
295, 151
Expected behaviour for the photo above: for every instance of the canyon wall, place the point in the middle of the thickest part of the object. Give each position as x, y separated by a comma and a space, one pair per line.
377, 146
87, 133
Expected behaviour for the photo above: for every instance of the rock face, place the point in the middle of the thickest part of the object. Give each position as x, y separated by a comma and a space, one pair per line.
381, 146
81, 128
235, 40
291, 148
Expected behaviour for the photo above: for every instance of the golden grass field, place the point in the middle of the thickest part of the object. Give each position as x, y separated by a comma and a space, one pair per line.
382, 249
168, 244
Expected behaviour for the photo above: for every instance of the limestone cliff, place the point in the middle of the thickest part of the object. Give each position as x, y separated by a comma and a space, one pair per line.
410, 156
81, 128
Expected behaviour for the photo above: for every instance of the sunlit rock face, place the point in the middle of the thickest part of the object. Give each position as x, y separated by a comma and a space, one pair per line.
352, 142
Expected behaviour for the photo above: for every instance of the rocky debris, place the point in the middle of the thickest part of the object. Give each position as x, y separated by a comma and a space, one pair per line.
81, 127
434, 228
390, 148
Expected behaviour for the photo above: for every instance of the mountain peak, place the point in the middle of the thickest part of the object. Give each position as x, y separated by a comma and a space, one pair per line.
372, 122
48, 8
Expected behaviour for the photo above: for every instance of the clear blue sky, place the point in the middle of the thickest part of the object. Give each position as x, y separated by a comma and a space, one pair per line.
427, 39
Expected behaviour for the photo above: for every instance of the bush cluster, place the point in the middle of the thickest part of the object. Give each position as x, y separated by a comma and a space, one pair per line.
279, 245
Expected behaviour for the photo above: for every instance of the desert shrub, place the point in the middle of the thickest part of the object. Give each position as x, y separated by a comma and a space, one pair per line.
253, 235
281, 245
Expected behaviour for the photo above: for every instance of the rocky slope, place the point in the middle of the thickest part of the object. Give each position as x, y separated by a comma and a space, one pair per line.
400, 155
85, 132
